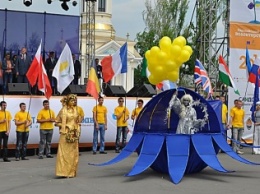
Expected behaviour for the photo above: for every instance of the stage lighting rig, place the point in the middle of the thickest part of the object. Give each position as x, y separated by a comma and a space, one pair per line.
27, 2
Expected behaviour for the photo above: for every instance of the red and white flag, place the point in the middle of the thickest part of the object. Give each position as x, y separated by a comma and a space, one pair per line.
37, 72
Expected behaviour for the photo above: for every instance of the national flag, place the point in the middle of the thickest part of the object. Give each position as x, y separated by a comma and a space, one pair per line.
38, 72
225, 76
201, 77
248, 63
254, 71
166, 85
114, 64
144, 67
256, 98
64, 69
93, 87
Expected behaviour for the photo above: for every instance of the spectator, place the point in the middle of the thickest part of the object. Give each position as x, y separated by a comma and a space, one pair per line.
8, 67
5, 126
77, 70
122, 115
45, 117
22, 121
49, 66
22, 65
100, 125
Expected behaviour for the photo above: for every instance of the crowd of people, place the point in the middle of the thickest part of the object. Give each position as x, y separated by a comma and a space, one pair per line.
13, 70
69, 121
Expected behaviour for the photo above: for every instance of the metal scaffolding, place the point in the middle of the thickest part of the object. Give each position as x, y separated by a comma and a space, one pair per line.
90, 33
209, 14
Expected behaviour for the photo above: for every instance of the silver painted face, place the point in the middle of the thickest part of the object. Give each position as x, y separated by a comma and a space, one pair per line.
186, 102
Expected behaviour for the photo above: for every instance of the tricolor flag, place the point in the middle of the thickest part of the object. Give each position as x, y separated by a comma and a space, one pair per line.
114, 64
256, 98
93, 87
201, 77
64, 69
166, 85
38, 72
254, 71
225, 76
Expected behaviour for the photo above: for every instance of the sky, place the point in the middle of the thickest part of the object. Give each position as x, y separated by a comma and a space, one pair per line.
126, 14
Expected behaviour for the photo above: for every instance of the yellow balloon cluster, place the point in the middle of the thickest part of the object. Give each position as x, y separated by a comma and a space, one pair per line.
165, 61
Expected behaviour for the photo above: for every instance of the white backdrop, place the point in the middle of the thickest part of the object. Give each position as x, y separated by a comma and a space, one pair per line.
86, 103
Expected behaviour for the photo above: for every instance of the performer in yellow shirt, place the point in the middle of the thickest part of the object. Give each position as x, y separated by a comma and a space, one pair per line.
46, 118
122, 115
5, 124
22, 121
224, 115
137, 110
100, 125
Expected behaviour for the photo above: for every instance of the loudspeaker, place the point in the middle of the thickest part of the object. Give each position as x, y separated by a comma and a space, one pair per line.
19, 88
146, 90
80, 90
118, 91
133, 92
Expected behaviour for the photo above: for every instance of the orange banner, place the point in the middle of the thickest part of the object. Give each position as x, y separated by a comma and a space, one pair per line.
241, 33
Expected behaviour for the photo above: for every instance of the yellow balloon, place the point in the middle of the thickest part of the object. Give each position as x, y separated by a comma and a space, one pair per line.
173, 76
175, 51
154, 51
180, 41
185, 56
162, 57
170, 65
148, 54
188, 48
153, 79
165, 44
151, 66
159, 71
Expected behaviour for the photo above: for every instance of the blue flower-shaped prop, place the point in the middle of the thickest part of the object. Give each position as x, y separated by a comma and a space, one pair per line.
159, 147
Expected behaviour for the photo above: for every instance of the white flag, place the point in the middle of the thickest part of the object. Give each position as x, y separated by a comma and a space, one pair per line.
64, 69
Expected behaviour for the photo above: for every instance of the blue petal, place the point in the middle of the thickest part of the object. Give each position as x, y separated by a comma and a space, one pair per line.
222, 143
151, 148
178, 155
134, 142
205, 149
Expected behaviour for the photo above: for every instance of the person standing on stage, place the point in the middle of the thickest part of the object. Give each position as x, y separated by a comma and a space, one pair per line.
138, 109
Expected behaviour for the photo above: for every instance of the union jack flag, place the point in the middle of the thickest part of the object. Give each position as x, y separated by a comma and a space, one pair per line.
201, 77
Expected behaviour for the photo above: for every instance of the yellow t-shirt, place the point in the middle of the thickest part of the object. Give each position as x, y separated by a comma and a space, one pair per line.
136, 112
46, 114
118, 111
5, 115
224, 113
101, 112
20, 117
80, 111
237, 117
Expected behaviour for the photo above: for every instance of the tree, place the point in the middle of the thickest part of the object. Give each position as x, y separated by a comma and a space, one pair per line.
162, 18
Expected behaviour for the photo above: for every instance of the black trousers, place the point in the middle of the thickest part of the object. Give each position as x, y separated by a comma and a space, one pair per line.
4, 139
21, 144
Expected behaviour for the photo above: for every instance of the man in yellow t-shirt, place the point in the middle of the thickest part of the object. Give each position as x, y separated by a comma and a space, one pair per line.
237, 115
100, 125
137, 110
22, 121
46, 118
122, 115
5, 124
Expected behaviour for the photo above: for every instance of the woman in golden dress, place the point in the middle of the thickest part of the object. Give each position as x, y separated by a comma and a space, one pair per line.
69, 127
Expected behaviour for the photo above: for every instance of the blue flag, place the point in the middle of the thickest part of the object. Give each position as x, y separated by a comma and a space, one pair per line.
256, 98
248, 62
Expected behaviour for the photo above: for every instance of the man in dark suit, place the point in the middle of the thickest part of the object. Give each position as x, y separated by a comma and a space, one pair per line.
49, 66
22, 65
77, 70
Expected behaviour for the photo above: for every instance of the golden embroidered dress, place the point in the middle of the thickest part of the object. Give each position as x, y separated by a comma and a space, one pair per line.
68, 151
